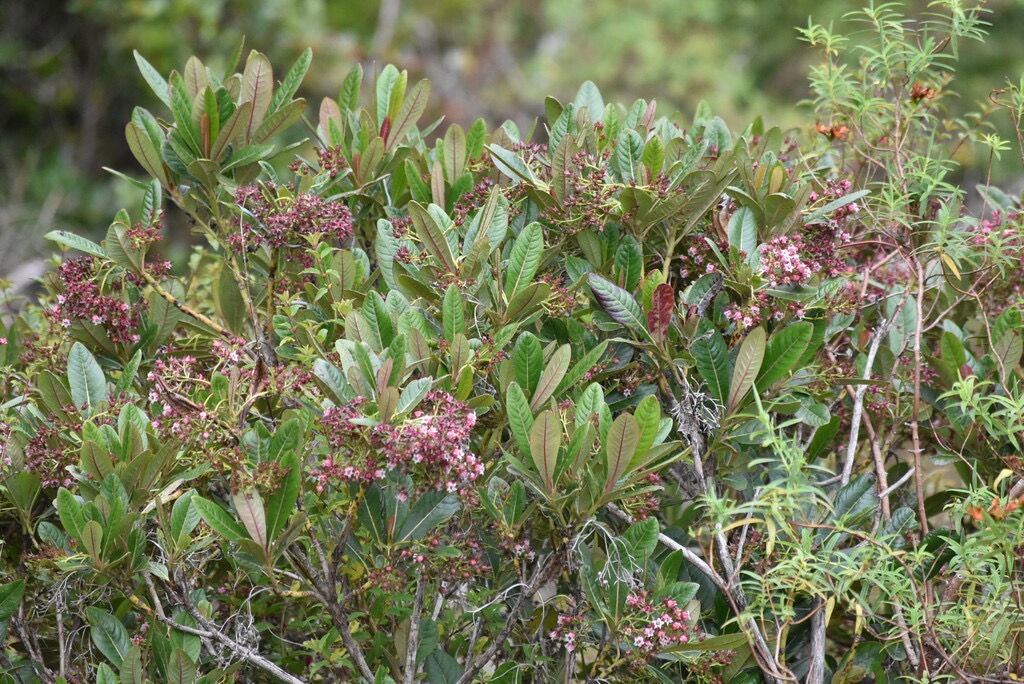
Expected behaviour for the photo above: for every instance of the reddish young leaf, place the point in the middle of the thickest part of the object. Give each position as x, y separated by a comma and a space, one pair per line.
660, 316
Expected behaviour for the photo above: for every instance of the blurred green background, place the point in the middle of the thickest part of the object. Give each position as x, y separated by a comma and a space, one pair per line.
68, 81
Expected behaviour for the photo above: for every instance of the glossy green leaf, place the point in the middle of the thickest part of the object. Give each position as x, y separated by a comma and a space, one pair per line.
281, 503
545, 441
413, 105
453, 315
618, 303
748, 364
429, 511
524, 259
783, 349
620, 447
219, 519
520, 418
72, 241
108, 635
85, 378
552, 376
528, 362
712, 360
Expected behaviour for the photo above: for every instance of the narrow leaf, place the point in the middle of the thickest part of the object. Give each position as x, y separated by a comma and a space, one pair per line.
524, 259
85, 377
545, 440
257, 88
552, 376
660, 316
412, 108
748, 364
620, 446
782, 351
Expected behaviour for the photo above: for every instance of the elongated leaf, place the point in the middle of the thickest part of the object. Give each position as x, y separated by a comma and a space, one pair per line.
10, 599
279, 120
62, 237
514, 167
454, 153
146, 153
748, 364
413, 394
743, 231
257, 88
92, 541
782, 351
712, 360
453, 316
231, 130
281, 504
620, 446
290, 85
629, 152
433, 235
520, 418
385, 87
648, 419
524, 259
153, 77
855, 503
545, 440
253, 516
348, 98
219, 519
526, 303
109, 635
659, 318
629, 263
429, 511
70, 513
552, 376
441, 668
181, 669
528, 361
412, 109
85, 377
618, 303
582, 367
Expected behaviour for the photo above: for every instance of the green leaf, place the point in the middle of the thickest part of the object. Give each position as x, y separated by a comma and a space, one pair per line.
582, 367
429, 511
512, 165
524, 259
629, 263
452, 314
228, 300
72, 241
642, 538
92, 540
184, 516
219, 519
412, 109
433, 235
290, 85
654, 155
349, 95
454, 153
181, 669
782, 351
545, 440
520, 418
132, 671
429, 638
10, 599
70, 513
387, 81
146, 153
618, 303
109, 635
589, 97
619, 447
441, 668
104, 675
712, 360
648, 419
526, 302
748, 364
413, 394
257, 88
230, 130
279, 120
153, 77
528, 361
85, 377
855, 503
281, 504
552, 376
743, 231
629, 153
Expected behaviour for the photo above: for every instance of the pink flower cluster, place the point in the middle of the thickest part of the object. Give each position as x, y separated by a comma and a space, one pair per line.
567, 631
655, 628
432, 443
82, 300
281, 222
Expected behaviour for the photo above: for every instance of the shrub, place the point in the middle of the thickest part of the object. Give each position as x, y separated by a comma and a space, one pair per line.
651, 400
